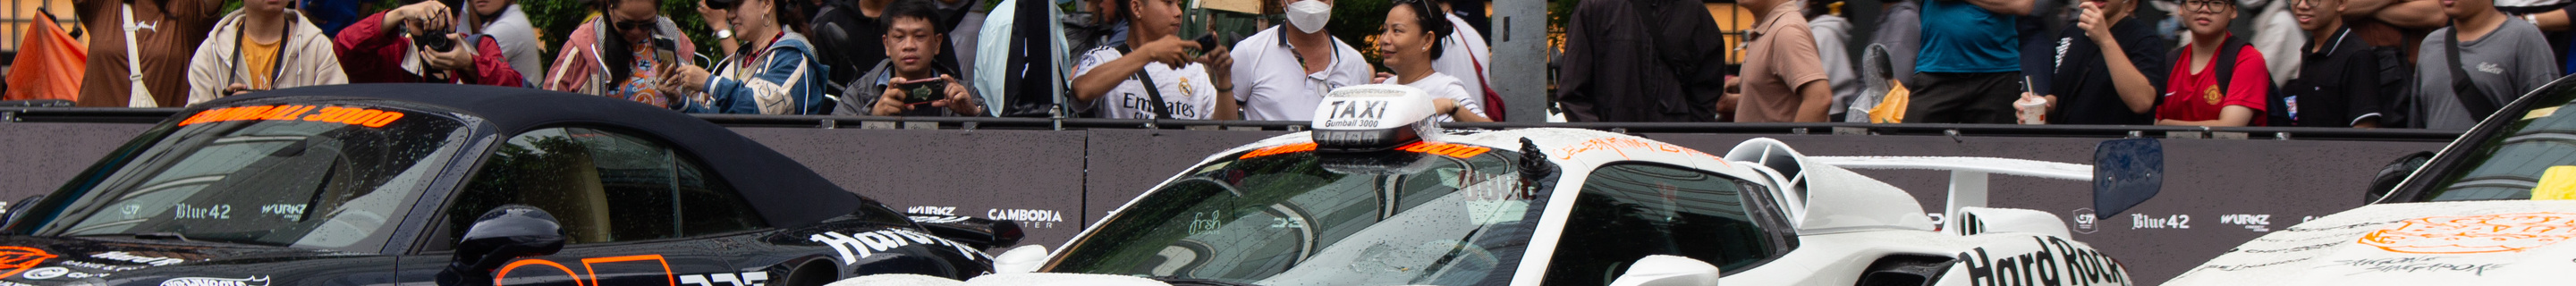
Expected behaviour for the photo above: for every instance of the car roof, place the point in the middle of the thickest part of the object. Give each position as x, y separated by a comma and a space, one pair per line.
783, 191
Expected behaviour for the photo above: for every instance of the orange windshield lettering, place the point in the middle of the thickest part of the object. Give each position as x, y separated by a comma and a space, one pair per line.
331, 114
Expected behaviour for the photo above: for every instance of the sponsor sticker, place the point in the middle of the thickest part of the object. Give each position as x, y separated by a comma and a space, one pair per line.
309, 113
212, 281
858, 246
45, 273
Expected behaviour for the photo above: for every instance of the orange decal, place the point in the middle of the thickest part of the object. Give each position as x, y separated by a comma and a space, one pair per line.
504, 273
1281, 149
1452, 150
2475, 234
1623, 145
331, 114
656, 258
16, 259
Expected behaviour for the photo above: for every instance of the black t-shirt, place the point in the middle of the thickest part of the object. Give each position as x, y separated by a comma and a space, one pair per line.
2337, 86
2083, 84
851, 42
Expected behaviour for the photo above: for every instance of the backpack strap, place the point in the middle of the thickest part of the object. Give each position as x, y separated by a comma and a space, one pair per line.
2476, 101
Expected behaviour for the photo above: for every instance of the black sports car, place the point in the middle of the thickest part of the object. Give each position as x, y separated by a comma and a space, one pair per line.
464, 185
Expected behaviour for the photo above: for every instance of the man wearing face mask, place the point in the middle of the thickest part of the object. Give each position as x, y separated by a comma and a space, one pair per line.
1286, 69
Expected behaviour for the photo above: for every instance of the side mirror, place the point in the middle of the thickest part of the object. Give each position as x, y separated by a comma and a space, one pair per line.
1667, 270
979, 233
1023, 259
13, 209
505, 233
2393, 174
2126, 172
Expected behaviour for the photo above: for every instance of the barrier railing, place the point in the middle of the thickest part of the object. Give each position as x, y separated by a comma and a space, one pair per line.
151, 115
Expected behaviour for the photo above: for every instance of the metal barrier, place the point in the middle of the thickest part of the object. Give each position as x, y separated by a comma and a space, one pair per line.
1057, 175
151, 115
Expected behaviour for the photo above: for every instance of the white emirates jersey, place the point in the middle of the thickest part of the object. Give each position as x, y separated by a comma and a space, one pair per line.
1186, 91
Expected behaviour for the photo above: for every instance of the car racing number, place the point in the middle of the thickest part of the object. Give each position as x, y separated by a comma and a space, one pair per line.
647, 269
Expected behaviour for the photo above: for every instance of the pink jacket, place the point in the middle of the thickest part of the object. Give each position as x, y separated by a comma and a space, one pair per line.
578, 67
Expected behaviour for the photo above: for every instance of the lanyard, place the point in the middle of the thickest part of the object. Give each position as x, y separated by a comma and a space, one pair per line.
748, 60
277, 61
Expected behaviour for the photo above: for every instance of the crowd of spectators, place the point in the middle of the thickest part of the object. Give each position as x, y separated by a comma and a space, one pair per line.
2338, 63
2322, 63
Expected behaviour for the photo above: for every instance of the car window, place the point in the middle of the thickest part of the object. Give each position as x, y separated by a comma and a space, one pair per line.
1629, 211
2509, 164
603, 186
326, 176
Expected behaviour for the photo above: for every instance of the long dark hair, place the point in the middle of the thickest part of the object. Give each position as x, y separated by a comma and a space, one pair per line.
616, 52
1431, 21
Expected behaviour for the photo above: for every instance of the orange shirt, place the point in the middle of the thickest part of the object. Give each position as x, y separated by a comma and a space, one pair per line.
260, 60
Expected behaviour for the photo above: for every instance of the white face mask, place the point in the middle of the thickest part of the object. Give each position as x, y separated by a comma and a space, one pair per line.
1309, 15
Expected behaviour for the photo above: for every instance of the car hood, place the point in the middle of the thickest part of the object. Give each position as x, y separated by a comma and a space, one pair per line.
2442, 243
56, 260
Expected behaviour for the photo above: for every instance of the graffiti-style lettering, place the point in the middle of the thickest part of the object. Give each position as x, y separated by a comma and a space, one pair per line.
2057, 262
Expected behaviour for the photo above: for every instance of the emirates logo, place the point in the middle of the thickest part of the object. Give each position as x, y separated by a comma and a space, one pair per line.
14, 259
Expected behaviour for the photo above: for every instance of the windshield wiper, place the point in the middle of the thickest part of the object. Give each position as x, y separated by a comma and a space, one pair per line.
1178, 281
161, 236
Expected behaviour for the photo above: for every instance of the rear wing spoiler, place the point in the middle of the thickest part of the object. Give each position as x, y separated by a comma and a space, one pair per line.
2125, 172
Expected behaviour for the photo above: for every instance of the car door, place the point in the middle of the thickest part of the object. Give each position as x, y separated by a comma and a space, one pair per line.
1628, 210
633, 212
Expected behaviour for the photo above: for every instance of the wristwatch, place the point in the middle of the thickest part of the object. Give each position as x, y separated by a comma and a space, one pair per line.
724, 34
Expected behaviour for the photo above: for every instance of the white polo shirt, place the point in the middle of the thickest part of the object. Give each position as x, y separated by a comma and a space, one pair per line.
1460, 52
1186, 91
1270, 78
1441, 85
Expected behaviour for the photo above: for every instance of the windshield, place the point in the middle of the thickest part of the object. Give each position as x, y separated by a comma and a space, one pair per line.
2509, 165
313, 176
1266, 217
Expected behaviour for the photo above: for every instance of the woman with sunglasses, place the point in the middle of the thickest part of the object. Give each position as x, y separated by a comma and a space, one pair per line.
774, 73
1408, 42
2204, 91
614, 54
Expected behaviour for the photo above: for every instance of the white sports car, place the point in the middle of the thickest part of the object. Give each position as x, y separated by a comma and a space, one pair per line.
1378, 195
2494, 208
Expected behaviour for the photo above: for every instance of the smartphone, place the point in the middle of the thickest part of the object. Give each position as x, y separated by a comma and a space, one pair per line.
1205, 42
666, 50
923, 90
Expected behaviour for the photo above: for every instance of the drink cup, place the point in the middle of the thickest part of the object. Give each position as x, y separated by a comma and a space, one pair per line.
2031, 110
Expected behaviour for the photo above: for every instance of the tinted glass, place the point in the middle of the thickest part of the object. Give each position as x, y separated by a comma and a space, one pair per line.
1300, 218
2509, 164
313, 176
603, 187
1627, 212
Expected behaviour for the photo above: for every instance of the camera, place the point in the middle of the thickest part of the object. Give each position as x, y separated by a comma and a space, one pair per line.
433, 41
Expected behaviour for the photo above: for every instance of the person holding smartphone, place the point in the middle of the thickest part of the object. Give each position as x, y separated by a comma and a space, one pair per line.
776, 73
620, 53
1155, 74
910, 82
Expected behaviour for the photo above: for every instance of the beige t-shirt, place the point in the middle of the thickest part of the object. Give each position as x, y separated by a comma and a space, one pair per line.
1782, 56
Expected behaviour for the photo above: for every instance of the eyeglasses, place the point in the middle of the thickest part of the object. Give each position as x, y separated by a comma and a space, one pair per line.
633, 24
2207, 5
2311, 3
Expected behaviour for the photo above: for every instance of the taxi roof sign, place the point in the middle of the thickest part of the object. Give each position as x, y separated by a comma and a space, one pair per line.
1372, 117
